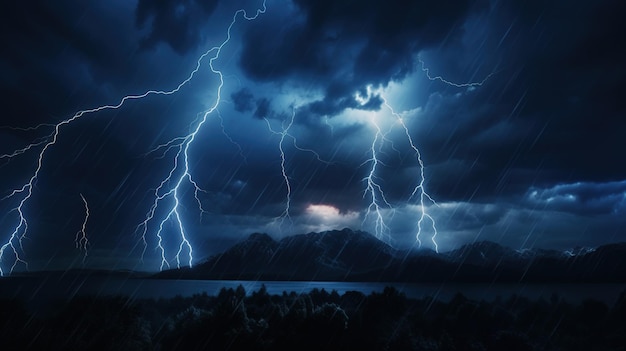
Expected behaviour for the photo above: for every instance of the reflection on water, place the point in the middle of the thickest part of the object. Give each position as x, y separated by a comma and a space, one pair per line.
41, 289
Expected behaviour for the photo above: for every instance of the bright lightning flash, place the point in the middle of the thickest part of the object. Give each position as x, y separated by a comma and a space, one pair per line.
182, 144
373, 189
282, 134
168, 193
378, 200
181, 163
419, 189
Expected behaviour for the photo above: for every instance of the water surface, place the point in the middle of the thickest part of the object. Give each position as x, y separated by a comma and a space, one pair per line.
43, 290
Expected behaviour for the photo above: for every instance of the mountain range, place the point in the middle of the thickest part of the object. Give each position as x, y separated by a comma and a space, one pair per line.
349, 255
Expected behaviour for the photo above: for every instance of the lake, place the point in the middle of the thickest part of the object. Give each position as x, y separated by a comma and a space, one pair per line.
38, 291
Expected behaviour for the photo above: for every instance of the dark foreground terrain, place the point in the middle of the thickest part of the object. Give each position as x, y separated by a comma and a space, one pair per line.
319, 320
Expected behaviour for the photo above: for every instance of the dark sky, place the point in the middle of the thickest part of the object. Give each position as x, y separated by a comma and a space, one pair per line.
527, 156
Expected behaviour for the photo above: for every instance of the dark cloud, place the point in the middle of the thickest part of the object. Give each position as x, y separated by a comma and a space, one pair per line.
535, 149
581, 198
42, 43
467, 216
550, 113
243, 100
263, 108
175, 22
61, 57
343, 46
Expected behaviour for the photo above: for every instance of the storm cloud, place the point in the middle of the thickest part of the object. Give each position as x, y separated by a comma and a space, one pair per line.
175, 22
531, 155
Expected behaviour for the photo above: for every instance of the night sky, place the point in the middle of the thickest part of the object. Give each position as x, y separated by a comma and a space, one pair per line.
516, 108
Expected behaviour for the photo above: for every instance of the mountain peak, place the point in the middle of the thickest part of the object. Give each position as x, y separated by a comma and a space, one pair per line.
260, 237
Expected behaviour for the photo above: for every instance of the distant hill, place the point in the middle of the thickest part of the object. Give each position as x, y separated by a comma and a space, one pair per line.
331, 255
348, 255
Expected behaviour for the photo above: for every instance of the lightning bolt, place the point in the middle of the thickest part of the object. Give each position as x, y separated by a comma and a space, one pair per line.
378, 200
445, 81
283, 160
168, 193
419, 188
25, 192
283, 134
373, 189
82, 242
181, 164
33, 145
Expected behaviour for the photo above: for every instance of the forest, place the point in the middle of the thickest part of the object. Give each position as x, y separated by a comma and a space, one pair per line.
319, 320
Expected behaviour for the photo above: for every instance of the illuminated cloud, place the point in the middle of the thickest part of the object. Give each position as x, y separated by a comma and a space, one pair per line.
583, 198
329, 216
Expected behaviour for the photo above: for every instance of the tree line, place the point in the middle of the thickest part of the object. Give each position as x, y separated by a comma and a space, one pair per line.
318, 320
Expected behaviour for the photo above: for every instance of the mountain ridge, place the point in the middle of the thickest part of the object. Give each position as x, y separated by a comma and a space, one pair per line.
349, 255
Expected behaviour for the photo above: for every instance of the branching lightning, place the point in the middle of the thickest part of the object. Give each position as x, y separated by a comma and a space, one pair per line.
25, 192
378, 200
283, 134
378, 203
21, 229
33, 145
166, 209
419, 188
445, 81
181, 164
285, 215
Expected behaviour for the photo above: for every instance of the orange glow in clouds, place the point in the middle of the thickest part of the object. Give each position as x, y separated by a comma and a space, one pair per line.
330, 214
323, 211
